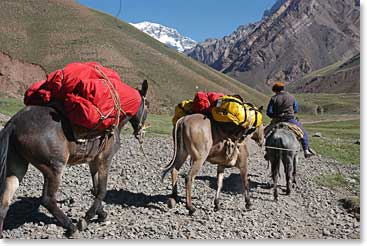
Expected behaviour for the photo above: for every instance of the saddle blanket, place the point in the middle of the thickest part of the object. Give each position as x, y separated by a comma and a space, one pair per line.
292, 127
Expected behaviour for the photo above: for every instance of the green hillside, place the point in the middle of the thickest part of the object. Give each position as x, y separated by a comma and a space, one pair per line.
53, 33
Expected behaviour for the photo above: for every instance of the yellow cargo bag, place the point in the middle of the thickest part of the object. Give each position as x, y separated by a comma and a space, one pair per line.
232, 109
182, 109
254, 116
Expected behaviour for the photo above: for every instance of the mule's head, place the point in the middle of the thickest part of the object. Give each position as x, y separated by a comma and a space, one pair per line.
138, 120
258, 135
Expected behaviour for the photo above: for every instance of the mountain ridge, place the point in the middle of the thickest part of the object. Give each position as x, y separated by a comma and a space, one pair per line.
298, 37
166, 35
52, 34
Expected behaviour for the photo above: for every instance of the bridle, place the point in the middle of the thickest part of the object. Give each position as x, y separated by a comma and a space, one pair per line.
139, 132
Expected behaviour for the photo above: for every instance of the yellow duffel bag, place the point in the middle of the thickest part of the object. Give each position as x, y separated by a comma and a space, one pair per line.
182, 109
233, 109
254, 116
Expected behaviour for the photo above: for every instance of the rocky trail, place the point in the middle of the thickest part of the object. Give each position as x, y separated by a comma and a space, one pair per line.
136, 201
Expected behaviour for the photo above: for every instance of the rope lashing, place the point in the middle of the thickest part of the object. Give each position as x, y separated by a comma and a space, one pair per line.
271, 147
114, 94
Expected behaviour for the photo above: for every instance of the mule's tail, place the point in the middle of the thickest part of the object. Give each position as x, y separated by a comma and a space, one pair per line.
170, 165
4, 146
278, 143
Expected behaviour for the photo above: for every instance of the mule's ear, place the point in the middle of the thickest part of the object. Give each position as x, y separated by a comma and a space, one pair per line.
144, 88
261, 108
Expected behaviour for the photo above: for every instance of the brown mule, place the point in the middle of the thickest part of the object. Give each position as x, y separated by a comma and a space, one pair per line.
206, 140
42, 136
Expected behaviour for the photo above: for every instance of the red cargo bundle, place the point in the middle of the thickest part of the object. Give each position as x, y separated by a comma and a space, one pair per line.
204, 101
89, 93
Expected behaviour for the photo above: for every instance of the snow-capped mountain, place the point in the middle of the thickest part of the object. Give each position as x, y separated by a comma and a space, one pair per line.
166, 35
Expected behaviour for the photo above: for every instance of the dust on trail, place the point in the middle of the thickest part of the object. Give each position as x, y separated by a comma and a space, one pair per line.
136, 199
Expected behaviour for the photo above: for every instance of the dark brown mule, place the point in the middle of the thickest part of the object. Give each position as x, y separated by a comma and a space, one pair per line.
42, 136
206, 140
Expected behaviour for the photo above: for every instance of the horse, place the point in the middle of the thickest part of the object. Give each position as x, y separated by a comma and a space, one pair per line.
207, 140
44, 137
283, 146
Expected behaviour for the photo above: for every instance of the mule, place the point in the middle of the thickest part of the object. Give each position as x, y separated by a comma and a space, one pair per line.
206, 140
283, 146
42, 136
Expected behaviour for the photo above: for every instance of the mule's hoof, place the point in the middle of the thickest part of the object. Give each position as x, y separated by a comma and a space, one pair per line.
248, 205
102, 216
171, 202
288, 192
191, 211
216, 205
74, 235
72, 232
82, 224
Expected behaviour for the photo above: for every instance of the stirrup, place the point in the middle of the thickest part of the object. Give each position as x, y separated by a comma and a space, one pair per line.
308, 153
312, 151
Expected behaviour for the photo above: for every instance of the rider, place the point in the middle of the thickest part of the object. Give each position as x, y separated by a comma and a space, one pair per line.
282, 108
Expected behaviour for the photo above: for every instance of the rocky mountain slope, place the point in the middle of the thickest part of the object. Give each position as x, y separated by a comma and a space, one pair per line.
293, 39
17, 75
166, 35
340, 77
53, 33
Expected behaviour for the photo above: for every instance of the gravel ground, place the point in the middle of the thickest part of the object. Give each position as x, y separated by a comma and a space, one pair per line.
136, 202
3, 118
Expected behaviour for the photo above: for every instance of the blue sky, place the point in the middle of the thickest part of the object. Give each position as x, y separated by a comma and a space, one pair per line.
197, 19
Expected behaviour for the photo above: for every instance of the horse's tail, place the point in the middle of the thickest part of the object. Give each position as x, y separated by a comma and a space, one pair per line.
170, 165
4, 146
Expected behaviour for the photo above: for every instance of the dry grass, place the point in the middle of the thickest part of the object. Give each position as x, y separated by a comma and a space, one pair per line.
54, 33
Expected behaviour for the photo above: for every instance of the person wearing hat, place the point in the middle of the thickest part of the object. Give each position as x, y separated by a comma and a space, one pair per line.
282, 108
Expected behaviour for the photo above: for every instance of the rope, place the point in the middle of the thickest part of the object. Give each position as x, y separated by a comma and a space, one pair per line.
114, 94
271, 147
142, 150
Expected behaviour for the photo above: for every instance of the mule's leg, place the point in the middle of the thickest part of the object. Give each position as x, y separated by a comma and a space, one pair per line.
220, 175
16, 169
295, 163
93, 172
93, 167
178, 162
195, 168
52, 180
245, 182
242, 164
287, 163
275, 164
12, 183
97, 207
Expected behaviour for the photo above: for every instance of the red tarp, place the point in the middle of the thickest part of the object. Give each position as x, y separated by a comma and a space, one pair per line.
86, 91
204, 101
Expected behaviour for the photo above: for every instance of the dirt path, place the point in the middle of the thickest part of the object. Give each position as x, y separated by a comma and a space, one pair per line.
331, 120
136, 202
